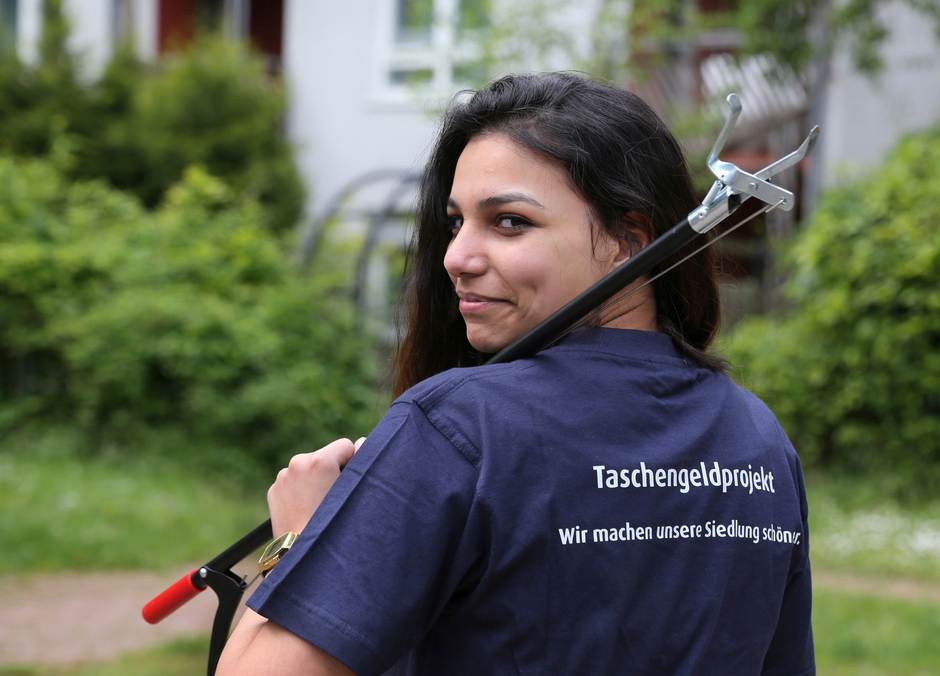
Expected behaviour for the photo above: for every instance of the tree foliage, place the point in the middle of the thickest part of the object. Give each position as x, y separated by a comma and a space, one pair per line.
121, 320
853, 371
784, 28
140, 126
215, 106
793, 32
530, 36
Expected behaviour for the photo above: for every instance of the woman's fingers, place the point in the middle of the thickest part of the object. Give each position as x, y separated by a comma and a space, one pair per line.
334, 454
301, 486
337, 453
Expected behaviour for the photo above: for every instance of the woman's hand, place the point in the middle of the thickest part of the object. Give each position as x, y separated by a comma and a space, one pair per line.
301, 486
261, 647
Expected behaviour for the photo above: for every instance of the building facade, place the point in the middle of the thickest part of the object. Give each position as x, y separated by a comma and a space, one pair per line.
367, 80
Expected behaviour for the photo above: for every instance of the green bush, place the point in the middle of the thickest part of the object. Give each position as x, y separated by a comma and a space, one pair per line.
214, 105
853, 371
121, 320
105, 141
39, 103
139, 127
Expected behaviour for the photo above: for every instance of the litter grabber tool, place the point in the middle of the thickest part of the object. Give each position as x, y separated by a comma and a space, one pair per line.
731, 188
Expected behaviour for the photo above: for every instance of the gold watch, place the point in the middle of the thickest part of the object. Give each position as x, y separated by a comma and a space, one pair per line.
275, 550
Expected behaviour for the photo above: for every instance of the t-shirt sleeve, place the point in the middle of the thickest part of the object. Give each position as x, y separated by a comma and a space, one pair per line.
385, 550
791, 651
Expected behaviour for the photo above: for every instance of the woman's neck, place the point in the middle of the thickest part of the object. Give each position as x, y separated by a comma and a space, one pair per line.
636, 310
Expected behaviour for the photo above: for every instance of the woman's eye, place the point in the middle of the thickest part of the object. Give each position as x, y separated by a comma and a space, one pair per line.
510, 223
454, 223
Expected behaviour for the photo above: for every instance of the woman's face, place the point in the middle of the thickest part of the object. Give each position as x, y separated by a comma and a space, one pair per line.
522, 241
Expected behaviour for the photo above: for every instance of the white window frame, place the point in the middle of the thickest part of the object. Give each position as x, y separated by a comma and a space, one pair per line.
442, 55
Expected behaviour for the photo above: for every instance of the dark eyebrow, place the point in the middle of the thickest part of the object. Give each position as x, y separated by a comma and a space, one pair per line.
499, 200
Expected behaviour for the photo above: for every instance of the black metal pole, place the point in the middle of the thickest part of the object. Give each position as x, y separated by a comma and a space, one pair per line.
242, 548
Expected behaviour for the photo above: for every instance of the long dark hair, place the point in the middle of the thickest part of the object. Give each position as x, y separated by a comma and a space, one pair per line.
620, 158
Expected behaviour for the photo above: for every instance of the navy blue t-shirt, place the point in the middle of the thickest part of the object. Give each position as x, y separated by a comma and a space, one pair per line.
605, 507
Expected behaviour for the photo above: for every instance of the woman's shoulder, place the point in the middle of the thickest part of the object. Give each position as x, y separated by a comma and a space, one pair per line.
456, 403
464, 384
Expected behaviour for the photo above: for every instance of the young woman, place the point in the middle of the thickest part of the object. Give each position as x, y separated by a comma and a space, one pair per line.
614, 505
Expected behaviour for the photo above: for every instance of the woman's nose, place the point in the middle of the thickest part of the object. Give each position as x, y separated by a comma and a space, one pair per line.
466, 253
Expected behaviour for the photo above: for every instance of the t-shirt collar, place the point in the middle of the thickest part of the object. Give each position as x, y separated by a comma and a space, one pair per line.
643, 344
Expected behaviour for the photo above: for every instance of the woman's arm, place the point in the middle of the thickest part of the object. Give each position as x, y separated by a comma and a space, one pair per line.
258, 646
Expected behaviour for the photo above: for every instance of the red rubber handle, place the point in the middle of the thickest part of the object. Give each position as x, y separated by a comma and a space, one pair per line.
171, 598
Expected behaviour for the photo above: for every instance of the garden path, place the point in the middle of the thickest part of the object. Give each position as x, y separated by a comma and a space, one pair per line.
882, 587
87, 617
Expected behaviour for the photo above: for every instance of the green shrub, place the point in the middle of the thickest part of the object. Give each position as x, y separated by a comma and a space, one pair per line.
139, 127
40, 102
214, 105
107, 145
120, 320
854, 370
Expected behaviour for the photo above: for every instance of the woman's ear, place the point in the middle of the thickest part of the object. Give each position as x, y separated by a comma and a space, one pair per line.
637, 233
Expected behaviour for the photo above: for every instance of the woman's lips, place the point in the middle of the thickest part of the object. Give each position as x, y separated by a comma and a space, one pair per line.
472, 304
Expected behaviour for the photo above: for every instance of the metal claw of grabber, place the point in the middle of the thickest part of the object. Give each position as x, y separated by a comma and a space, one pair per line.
733, 185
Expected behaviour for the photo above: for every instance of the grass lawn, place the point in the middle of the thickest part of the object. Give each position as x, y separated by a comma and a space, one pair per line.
62, 512
855, 635
857, 527
864, 636
186, 657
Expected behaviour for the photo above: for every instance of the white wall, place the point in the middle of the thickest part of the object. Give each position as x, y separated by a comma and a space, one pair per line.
864, 119
145, 27
92, 33
28, 27
337, 116
90, 38
342, 115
